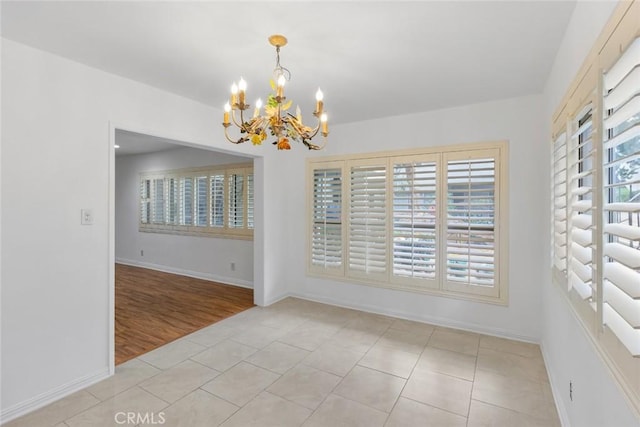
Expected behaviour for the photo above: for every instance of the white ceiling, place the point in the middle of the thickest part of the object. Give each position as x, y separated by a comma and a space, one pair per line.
131, 143
371, 59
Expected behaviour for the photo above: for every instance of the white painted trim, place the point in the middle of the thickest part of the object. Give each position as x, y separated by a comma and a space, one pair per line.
438, 321
53, 395
189, 273
555, 391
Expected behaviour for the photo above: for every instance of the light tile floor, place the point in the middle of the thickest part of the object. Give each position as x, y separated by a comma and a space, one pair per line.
299, 363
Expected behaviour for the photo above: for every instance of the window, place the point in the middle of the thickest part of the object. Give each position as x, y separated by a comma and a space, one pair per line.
204, 201
428, 221
596, 197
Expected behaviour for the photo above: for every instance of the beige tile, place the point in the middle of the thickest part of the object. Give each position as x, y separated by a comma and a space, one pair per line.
355, 339
449, 339
338, 411
282, 320
245, 320
57, 411
305, 386
512, 393
447, 362
411, 341
486, 415
126, 376
510, 364
278, 357
511, 346
171, 354
442, 391
391, 360
310, 335
224, 355
212, 335
198, 408
241, 383
133, 400
259, 336
268, 410
369, 322
334, 359
179, 381
411, 326
407, 413
372, 388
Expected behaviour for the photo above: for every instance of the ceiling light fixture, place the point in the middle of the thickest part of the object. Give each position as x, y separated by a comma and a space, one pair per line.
276, 119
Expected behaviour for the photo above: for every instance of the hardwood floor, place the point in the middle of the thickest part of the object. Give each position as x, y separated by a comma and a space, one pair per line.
154, 308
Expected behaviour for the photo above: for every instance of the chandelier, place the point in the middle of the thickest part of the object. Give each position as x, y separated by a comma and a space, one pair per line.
276, 119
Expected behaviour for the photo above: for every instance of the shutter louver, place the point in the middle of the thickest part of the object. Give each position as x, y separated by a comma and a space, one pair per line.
470, 224
621, 217
559, 181
250, 200
145, 201
326, 233
157, 211
216, 185
201, 201
186, 201
172, 201
236, 200
368, 221
581, 222
414, 222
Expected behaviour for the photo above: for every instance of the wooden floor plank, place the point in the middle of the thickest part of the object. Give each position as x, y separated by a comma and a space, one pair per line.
154, 308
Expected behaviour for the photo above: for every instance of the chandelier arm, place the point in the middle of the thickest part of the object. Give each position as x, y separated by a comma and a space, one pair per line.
231, 140
233, 118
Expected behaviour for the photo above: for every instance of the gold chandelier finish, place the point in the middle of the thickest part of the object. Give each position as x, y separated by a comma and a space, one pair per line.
276, 120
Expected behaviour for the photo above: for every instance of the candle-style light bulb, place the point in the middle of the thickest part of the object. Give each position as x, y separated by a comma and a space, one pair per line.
325, 125
242, 87
280, 88
319, 103
227, 109
256, 112
234, 94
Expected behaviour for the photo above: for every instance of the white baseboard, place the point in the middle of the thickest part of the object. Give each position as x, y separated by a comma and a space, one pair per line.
51, 396
439, 321
189, 273
562, 410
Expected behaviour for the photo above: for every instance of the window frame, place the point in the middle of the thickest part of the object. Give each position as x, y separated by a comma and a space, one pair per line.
589, 87
389, 280
192, 226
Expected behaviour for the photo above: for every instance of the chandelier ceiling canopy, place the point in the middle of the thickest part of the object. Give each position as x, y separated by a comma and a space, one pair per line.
276, 119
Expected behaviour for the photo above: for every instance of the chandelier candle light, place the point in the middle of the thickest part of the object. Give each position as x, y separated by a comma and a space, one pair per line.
276, 119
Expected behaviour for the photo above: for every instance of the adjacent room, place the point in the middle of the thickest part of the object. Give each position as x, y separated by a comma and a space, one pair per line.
358, 213
183, 240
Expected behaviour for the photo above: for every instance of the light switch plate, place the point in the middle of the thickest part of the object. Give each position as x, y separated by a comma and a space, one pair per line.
86, 216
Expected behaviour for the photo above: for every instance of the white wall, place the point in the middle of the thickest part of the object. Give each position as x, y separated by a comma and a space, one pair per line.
568, 352
516, 120
197, 256
55, 273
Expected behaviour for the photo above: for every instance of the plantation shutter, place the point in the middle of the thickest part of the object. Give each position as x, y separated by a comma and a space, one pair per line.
172, 201
250, 200
145, 201
621, 219
201, 201
186, 201
216, 185
414, 221
236, 200
580, 177
471, 217
326, 233
157, 205
559, 182
368, 219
